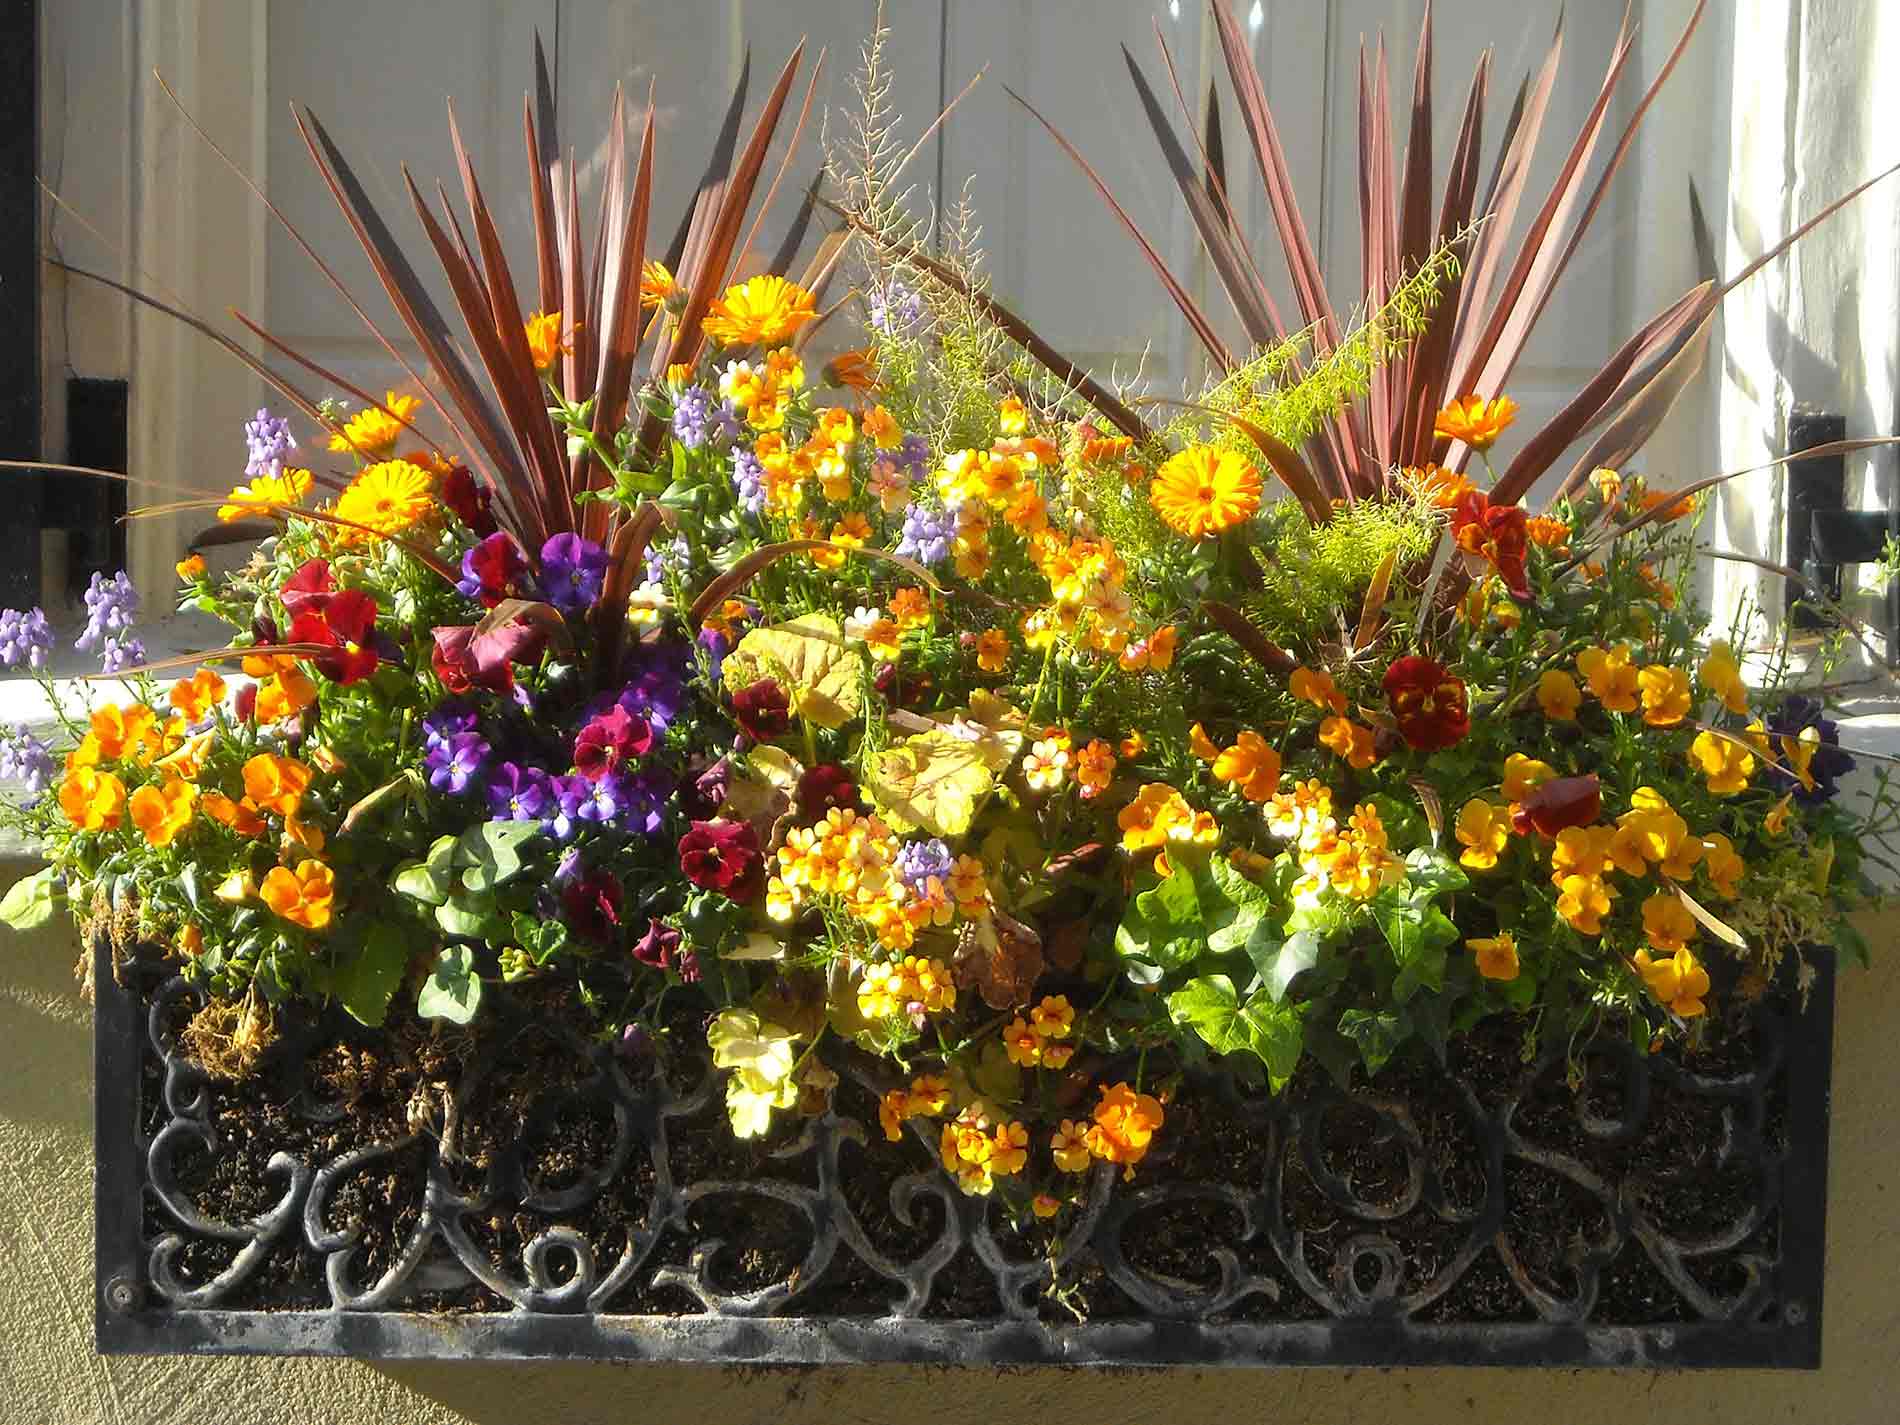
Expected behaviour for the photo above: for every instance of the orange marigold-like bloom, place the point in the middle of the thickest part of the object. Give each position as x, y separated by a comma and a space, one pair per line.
764, 310
191, 568
1547, 533
1435, 483
274, 783
1204, 490
1475, 421
161, 812
1125, 1124
1673, 505
373, 430
305, 896
656, 283
388, 498
92, 800
545, 345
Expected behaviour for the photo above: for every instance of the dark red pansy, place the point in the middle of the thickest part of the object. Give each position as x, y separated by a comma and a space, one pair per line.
346, 623
472, 501
590, 905
1428, 703
762, 709
1498, 535
824, 787
1558, 804
610, 741
455, 662
309, 589
722, 856
658, 946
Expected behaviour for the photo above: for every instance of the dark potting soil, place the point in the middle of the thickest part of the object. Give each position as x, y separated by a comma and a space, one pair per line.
524, 1136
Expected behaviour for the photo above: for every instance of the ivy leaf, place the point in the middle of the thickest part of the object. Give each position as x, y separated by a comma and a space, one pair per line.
1378, 1035
1431, 869
467, 917
367, 982
542, 939
432, 879
1418, 933
1272, 1033
491, 853
29, 901
453, 990
1282, 962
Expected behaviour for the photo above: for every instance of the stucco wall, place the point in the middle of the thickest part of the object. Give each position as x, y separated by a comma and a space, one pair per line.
50, 1376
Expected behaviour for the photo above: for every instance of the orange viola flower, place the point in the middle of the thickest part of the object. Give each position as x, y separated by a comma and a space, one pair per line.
161, 812
92, 800
197, 695
305, 896
1317, 688
273, 783
241, 817
1349, 740
854, 369
1251, 766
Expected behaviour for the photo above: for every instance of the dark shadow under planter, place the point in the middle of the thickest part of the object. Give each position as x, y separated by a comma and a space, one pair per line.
532, 1195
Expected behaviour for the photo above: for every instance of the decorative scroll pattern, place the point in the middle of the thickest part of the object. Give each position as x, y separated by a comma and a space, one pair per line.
1658, 1187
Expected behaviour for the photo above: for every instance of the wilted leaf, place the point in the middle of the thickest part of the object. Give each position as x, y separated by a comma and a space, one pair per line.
809, 658
932, 782
1001, 959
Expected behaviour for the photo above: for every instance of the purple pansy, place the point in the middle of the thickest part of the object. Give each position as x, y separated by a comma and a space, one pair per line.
517, 793
572, 571
456, 761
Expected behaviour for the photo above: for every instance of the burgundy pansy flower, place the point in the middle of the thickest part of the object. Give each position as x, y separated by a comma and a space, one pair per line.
495, 570
1498, 535
309, 589
246, 702
609, 741
456, 663
471, 500
1558, 804
590, 905
762, 709
722, 856
1428, 703
345, 622
658, 946
903, 689
823, 787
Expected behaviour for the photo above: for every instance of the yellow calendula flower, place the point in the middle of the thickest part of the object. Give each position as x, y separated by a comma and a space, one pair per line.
1727, 763
761, 310
1484, 830
191, 568
1204, 490
162, 812
1475, 421
656, 283
374, 430
1558, 695
1611, 677
388, 498
1496, 958
1666, 696
266, 493
1676, 980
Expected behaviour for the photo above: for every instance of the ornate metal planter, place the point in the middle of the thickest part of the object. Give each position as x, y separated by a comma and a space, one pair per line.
1492, 1214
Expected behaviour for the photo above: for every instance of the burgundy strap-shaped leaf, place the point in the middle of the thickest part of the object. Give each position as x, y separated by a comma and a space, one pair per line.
619, 326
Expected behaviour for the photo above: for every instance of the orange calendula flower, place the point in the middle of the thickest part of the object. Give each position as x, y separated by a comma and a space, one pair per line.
854, 369
197, 695
763, 310
1667, 698
265, 493
387, 498
1558, 695
1475, 421
1068, 1145
1251, 766
374, 430
1349, 740
92, 800
162, 812
1484, 830
1204, 490
545, 345
1125, 1124
1496, 958
1725, 762
1611, 677
1547, 533
656, 283
1316, 686
274, 783
1673, 505
305, 896
1676, 980
1442, 487
191, 568
992, 650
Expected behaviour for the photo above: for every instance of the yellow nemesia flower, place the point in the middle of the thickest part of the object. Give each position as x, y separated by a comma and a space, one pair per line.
761, 310
1204, 490
1068, 1146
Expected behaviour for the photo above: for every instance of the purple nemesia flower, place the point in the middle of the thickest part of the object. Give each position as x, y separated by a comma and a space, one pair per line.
896, 308
572, 570
111, 607
634, 1042
918, 861
456, 761
25, 757
568, 867
25, 637
267, 443
717, 646
725, 422
930, 532
116, 656
692, 413
449, 718
748, 480
517, 793
662, 558
914, 455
